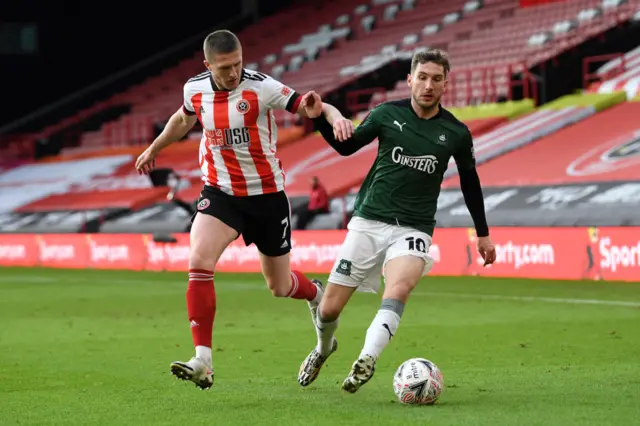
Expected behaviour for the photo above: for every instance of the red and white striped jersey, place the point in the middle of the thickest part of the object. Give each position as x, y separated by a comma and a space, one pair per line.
238, 145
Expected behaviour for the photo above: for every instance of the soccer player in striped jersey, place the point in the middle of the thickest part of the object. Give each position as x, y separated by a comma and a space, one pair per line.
244, 184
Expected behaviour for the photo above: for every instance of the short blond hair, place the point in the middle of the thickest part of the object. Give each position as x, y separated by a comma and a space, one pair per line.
220, 41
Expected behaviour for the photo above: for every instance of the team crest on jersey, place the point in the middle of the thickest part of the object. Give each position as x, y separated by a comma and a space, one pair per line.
203, 204
286, 91
243, 106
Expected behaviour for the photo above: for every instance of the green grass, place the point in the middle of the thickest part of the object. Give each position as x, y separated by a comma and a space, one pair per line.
94, 347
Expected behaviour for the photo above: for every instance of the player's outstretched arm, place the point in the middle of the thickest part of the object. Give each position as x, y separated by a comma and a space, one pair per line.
342, 127
175, 129
346, 147
311, 106
343, 141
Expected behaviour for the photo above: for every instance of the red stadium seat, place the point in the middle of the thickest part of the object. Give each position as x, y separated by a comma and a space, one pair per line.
494, 35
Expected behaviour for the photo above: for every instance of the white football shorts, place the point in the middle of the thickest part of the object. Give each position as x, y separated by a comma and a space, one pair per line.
367, 248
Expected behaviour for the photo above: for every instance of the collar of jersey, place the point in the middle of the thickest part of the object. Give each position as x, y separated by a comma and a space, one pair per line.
438, 115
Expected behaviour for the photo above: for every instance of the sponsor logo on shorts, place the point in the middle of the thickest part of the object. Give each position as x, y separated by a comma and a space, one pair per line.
344, 267
203, 204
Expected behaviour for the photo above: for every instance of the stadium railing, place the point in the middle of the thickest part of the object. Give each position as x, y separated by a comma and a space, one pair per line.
595, 76
467, 86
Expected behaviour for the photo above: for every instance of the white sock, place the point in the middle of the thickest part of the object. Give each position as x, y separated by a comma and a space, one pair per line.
383, 327
204, 353
316, 300
325, 331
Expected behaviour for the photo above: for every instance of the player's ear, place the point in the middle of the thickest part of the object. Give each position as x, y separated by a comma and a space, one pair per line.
409, 80
206, 64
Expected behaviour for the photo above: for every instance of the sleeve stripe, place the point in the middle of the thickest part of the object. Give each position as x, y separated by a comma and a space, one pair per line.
187, 111
294, 103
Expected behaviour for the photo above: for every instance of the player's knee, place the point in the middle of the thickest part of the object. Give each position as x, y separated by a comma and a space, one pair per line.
278, 287
400, 289
329, 311
198, 260
279, 291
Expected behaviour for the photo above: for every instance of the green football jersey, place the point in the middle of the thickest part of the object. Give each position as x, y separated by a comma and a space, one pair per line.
403, 184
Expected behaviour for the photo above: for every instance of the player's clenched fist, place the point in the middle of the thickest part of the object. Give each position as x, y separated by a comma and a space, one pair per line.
312, 104
146, 162
342, 129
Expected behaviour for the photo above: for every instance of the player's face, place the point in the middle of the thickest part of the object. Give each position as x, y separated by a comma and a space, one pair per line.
226, 69
428, 83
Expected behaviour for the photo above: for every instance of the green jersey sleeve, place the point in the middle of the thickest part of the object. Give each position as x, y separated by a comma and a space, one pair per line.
464, 156
367, 131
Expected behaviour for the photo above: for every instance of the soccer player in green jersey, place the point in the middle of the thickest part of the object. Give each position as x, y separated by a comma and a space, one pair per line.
394, 216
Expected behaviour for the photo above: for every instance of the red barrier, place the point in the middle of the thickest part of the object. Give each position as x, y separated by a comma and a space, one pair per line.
547, 253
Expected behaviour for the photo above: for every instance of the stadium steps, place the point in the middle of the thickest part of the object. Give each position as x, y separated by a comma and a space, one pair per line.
609, 128
613, 78
510, 139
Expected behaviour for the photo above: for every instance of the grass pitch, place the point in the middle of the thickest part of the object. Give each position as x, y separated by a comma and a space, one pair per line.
94, 347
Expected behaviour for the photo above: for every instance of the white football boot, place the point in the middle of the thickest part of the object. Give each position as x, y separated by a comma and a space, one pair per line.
196, 370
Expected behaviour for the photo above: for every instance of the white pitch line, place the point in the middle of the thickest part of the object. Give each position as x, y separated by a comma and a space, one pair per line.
535, 299
26, 279
232, 286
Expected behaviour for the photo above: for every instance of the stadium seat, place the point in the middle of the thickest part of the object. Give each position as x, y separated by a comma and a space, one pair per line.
322, 46
620, 74
503, 38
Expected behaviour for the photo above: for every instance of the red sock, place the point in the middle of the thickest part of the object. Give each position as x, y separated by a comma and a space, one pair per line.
301, 287
201, 306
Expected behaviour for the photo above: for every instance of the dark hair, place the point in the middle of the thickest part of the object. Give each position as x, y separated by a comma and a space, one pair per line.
221, 41
436, 56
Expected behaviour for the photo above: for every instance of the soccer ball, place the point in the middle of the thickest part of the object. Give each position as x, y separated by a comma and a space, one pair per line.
418, 381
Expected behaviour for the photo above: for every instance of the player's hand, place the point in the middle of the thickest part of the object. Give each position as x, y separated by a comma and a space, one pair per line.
487, 250
342, 129
146, 162
312, 104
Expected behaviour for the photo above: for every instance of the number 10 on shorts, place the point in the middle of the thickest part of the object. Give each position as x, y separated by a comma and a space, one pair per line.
417, 244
